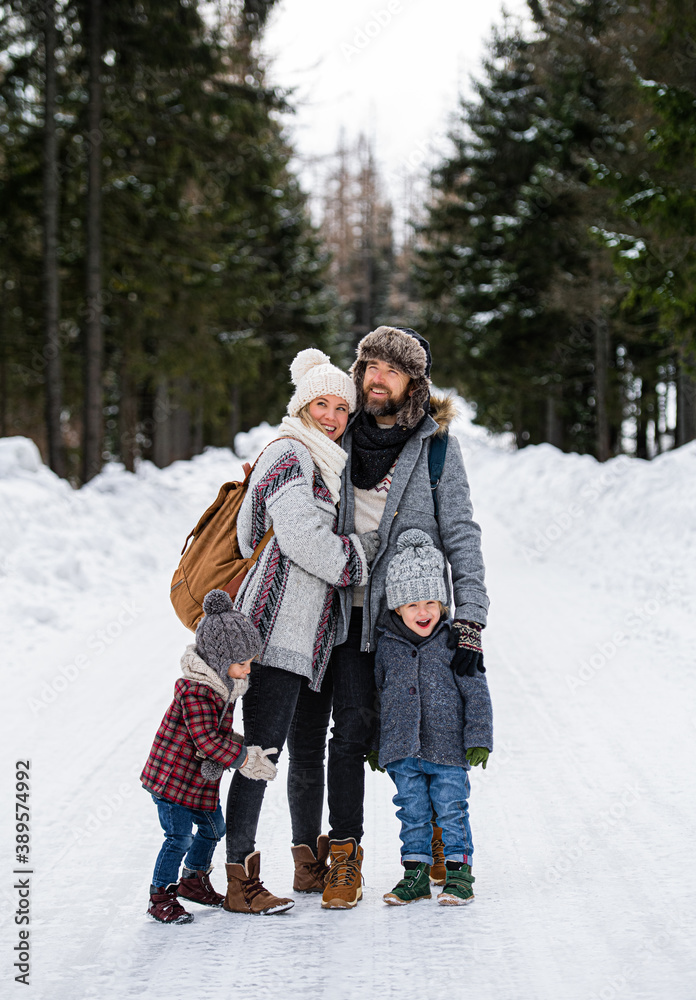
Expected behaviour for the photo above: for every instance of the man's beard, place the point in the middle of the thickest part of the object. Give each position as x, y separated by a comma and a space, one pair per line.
387, 408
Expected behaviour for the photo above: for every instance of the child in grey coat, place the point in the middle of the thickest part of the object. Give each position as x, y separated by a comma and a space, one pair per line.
434, 724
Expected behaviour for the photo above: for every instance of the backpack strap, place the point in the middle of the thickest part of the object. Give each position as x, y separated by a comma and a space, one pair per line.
436, 463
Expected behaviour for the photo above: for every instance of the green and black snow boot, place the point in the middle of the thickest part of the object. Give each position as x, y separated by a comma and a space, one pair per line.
413, 886
457, 889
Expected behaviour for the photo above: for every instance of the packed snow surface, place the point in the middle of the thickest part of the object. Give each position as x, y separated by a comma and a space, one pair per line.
583, 821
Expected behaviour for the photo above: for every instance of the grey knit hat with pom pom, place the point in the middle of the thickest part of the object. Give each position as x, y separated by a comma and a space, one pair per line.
416, 573
224, 635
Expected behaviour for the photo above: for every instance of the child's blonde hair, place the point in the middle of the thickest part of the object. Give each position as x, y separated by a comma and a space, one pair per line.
443, 609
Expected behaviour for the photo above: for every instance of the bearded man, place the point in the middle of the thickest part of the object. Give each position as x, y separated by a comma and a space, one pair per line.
387, 487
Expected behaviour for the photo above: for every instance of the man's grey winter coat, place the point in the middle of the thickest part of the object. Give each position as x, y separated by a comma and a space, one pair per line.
428, 711
410, 505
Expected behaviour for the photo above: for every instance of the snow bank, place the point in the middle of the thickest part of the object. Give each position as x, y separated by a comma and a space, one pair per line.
625, 520
63, 549
622, 524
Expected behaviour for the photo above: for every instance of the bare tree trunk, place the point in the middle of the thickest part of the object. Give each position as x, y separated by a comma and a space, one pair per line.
94, 338
51, 291
235, 414
3, 366
602, 439
127, 418
554, 424
686, 409
643, 419
162, 426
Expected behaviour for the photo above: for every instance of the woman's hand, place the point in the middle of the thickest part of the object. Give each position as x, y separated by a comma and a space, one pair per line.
370, 542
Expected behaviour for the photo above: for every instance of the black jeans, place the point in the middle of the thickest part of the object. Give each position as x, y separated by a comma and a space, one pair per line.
355, 717
280, 706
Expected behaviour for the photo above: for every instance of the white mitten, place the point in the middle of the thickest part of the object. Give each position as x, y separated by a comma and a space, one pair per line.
258, 766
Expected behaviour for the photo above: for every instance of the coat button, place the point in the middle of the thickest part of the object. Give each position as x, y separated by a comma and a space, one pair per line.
411, 690
414, 653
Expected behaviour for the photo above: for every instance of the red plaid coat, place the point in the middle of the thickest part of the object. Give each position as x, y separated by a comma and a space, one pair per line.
191, 723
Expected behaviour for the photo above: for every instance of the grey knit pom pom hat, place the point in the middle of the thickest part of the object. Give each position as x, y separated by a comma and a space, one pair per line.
416, 573
224, 635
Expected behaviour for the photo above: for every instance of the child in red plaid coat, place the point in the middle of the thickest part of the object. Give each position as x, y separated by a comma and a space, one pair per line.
194, 744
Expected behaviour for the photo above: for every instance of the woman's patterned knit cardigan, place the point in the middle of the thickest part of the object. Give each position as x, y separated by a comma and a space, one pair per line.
289, 594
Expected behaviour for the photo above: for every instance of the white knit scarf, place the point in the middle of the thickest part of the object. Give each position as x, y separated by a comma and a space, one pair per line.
326, 454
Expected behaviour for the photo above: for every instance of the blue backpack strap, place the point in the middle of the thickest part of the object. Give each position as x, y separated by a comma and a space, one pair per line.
436, 463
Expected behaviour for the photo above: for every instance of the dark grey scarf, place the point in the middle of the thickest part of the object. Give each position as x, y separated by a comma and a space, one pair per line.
375, 449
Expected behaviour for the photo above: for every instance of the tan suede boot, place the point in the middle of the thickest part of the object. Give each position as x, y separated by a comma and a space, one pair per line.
247, 894
344, 881
311, 872
438, 872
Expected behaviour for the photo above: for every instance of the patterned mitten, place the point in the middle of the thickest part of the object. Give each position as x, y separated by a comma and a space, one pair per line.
465, 638
258, 767
478, 755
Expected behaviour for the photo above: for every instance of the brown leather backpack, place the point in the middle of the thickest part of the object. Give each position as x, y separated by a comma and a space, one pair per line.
213, 560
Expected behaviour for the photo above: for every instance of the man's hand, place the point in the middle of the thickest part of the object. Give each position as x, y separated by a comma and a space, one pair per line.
465, 638
478, 755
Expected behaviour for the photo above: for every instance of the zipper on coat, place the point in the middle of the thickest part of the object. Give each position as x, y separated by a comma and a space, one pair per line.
366, 603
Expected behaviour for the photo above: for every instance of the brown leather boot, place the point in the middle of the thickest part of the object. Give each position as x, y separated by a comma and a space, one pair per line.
438, 872
344, 881
247, 894
311, 872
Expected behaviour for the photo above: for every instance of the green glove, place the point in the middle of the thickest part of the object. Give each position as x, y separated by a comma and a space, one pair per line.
372, 758
478, 755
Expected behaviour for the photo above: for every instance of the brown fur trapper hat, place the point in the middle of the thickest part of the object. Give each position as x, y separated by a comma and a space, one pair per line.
403, 349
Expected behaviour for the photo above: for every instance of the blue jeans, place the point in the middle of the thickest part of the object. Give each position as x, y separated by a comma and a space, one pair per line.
177, 822
278, 706
424, 789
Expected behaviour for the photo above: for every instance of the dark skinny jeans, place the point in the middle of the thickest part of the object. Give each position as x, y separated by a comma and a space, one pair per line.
278, 706
355, 717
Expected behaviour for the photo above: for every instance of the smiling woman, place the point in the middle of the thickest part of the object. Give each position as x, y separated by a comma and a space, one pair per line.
329, 413
290, 597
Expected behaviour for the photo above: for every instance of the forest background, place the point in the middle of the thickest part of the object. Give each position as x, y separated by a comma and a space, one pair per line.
160, 266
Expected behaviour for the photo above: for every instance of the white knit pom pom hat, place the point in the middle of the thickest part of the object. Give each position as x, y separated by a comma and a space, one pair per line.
313, 375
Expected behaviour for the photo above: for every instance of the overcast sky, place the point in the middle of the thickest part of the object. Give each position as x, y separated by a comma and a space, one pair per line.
390, 68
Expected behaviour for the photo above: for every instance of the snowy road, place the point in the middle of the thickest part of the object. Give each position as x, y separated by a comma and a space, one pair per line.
583, 822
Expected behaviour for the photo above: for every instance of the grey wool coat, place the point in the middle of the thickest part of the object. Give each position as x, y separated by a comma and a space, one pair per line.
410, 505
289, 594
428, 711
